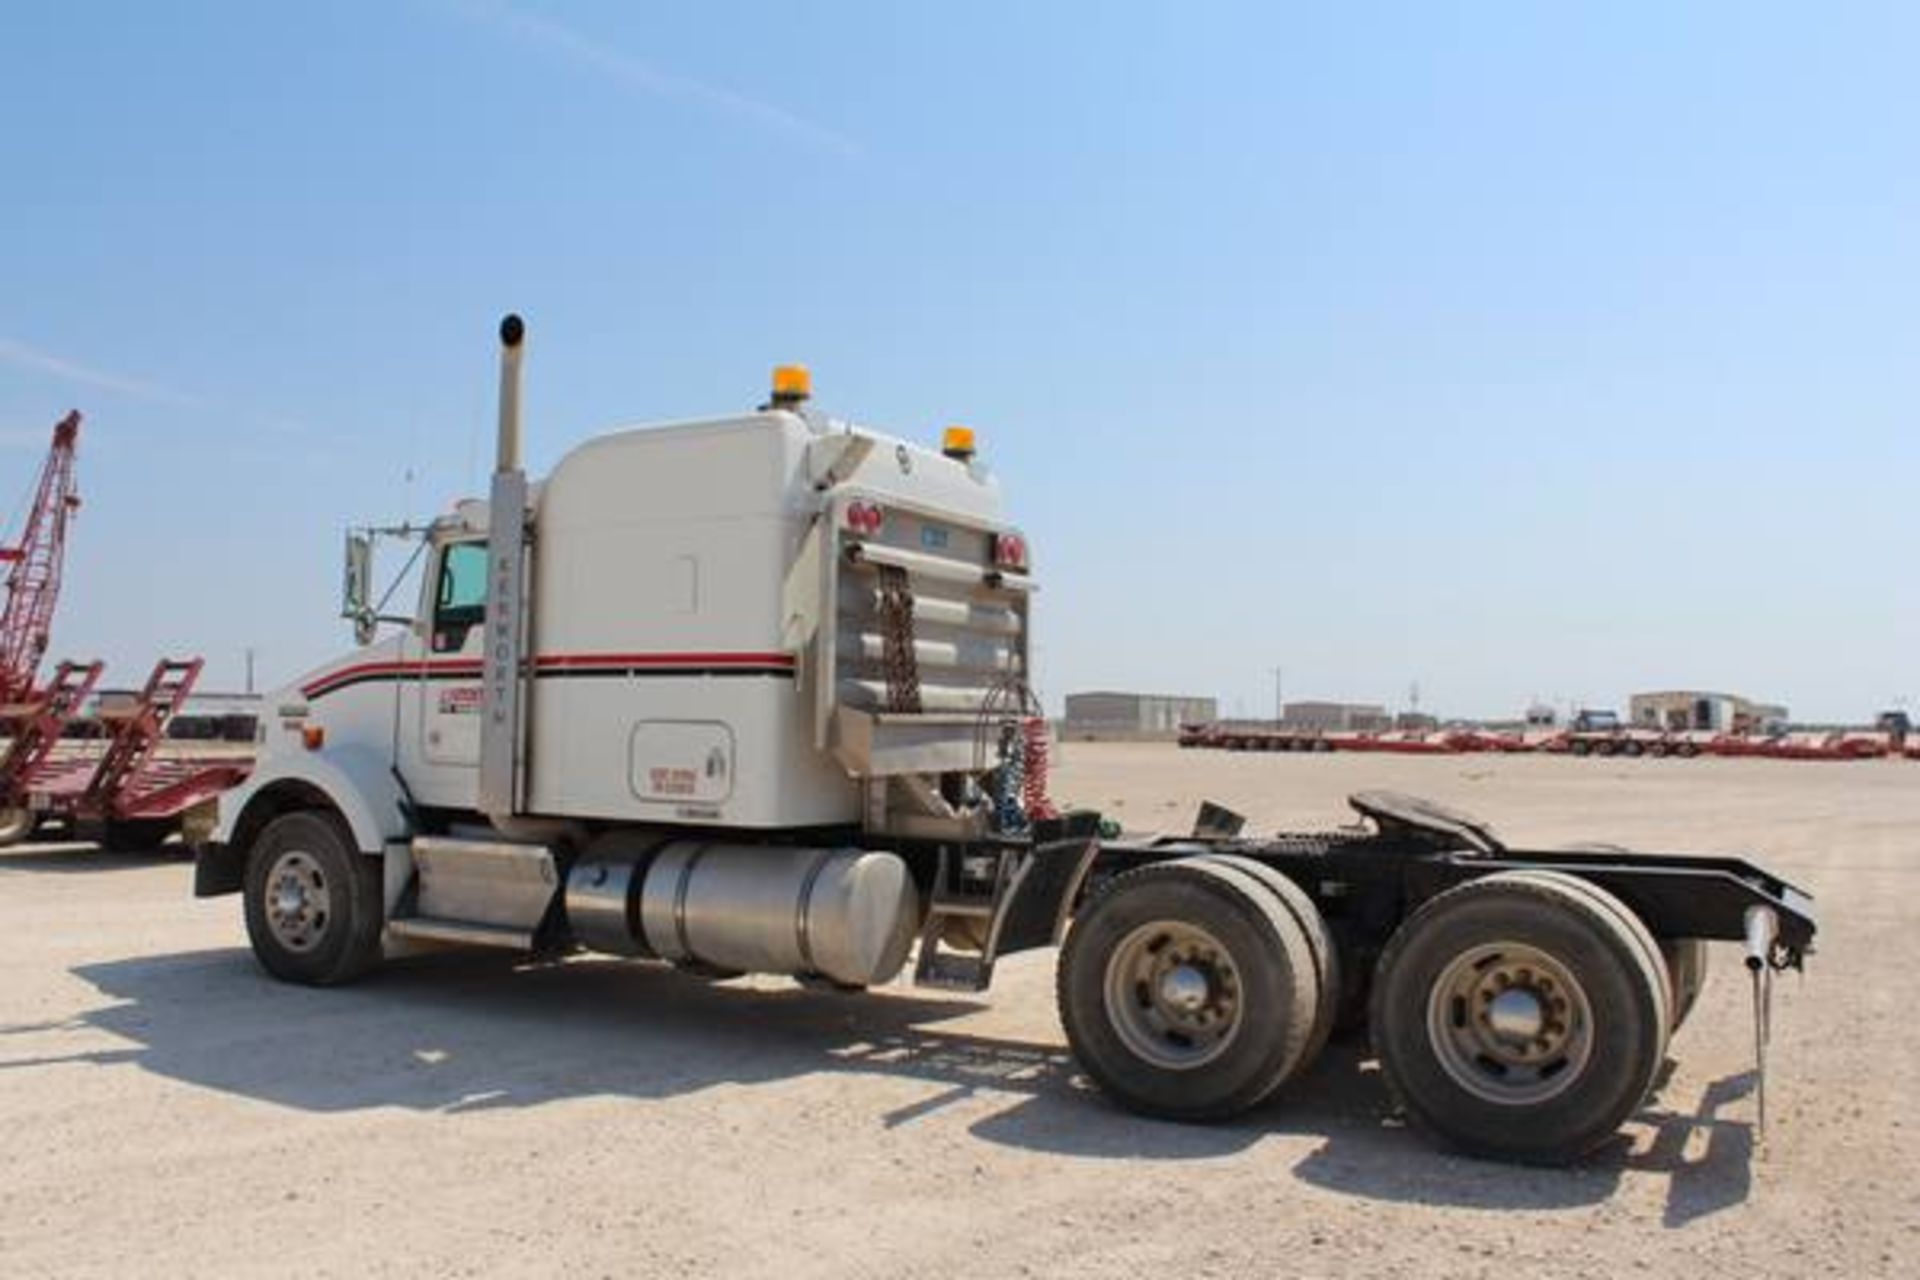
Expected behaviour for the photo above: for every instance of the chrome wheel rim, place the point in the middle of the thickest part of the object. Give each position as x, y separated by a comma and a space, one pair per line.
1173, 995
1510, 1024
299, 903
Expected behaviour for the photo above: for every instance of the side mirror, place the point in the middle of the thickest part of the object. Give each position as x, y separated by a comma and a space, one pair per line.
356, 587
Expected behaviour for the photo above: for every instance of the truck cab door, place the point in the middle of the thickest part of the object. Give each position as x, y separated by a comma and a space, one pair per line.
450, 671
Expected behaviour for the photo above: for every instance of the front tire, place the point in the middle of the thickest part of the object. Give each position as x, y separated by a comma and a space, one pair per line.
313, 901
1521, 1017
1188, 991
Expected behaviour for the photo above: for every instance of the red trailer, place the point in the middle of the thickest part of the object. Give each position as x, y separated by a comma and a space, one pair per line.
118, 789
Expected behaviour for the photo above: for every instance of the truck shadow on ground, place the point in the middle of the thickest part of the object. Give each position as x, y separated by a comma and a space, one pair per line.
459, 1033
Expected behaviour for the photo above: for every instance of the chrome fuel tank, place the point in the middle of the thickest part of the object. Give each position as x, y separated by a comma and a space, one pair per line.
845, 914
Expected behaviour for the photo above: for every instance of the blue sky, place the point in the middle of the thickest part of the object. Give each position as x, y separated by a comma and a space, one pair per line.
1498, 348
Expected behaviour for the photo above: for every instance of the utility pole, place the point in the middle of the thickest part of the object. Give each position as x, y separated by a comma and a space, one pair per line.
1279, 706
249, 668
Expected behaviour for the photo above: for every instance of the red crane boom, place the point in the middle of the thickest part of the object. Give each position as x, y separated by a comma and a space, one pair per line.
33, 575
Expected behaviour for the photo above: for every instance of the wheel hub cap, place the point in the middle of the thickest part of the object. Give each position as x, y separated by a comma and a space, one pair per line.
1184, 988
298, 903
1510, 1023
1173, 994
1516, 1015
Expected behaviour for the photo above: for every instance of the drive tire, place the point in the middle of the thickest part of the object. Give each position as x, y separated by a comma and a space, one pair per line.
313, 901
1127, 1032
1654, 952
1687, 965
1599, 989
1320, 941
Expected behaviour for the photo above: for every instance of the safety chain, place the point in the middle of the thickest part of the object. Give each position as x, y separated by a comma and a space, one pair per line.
896, 639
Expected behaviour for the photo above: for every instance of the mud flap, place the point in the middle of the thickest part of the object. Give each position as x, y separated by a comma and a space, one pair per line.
1042, 896
218, 869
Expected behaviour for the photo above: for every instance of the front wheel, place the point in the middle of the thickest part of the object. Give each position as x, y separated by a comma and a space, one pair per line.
313, 901
1523, 1016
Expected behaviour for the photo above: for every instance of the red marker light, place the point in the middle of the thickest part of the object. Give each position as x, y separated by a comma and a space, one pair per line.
1010, 551
864, 517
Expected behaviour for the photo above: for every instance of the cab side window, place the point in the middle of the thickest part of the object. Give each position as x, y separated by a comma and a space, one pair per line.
460, 602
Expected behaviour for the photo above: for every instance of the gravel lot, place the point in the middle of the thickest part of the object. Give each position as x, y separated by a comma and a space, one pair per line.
166, 1109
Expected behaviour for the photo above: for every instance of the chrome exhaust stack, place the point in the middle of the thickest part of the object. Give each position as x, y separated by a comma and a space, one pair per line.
513, 333
503, 687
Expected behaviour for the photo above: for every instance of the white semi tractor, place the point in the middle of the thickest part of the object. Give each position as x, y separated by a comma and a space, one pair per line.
751, 694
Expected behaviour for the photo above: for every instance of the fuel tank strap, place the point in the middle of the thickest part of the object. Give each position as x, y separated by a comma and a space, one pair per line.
802, 926
680, 900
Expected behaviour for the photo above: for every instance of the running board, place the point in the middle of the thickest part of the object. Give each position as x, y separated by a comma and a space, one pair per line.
492, 883
461, 932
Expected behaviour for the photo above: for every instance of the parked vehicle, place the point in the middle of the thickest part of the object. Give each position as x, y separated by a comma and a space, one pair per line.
750, 694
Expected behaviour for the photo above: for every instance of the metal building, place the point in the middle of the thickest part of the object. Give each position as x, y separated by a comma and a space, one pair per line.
1334, 717
1679, 710
1107, 714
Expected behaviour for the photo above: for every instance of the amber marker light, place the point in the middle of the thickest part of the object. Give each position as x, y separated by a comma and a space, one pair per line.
792, 383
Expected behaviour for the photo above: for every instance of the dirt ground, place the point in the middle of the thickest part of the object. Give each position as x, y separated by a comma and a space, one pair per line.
165, 1109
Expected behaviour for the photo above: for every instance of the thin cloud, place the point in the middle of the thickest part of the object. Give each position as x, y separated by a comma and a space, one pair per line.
20, 355
643, 76
24, 437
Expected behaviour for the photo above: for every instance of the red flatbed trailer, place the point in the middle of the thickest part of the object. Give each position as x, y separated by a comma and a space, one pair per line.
125, 794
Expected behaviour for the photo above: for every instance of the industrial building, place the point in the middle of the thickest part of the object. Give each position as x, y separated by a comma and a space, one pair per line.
1679, 710
1334, 717
204, 715
1139, 716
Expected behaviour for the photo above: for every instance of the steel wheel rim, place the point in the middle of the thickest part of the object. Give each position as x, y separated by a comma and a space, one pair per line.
299, 902
1173, 995
1510, 1024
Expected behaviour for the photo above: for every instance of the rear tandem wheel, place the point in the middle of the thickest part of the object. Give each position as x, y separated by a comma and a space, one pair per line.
1522, 1016
1326, 952
1189, 990
1687, 965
